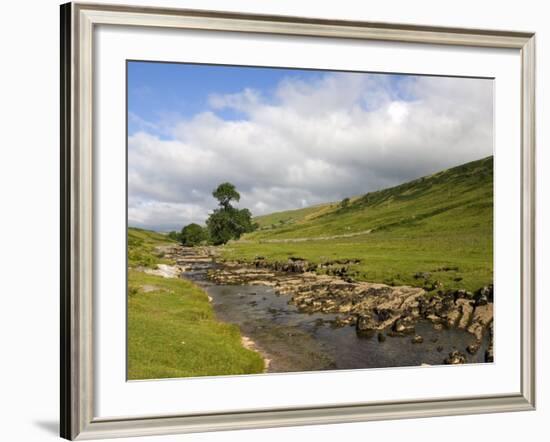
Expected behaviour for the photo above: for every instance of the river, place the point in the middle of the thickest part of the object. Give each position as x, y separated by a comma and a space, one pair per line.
295, 341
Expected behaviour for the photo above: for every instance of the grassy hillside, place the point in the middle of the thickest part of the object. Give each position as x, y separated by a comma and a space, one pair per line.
440, 224
141, 247
172, 330
289, 217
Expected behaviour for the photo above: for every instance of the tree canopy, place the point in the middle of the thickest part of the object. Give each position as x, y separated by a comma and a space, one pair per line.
227, 222
225, 193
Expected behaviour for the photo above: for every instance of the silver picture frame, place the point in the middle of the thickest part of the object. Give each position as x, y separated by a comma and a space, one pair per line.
78, 21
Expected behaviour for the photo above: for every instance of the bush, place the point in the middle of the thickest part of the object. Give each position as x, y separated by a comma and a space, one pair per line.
192, 235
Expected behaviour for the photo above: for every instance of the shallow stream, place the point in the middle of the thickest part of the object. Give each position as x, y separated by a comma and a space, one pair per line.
295, 341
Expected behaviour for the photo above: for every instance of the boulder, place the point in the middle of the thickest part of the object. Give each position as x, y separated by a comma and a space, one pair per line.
466, 310
417, 339
452, 317
339, 322
455, 357
461, 294
383, 313
485, 293
365, 325
483, 296
482, 317
473, 348
403, 326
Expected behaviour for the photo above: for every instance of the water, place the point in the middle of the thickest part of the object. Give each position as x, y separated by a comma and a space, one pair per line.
295, 341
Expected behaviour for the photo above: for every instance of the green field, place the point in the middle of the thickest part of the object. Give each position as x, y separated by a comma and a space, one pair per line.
440, 224
172, 330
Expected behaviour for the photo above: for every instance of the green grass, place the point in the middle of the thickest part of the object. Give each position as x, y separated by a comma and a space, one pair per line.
141, 247
427, 225
172, 330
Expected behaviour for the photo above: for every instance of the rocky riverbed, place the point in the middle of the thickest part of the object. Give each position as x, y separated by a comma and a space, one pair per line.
372, 309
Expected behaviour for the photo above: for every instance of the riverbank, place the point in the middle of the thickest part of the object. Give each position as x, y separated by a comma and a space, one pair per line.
172, 329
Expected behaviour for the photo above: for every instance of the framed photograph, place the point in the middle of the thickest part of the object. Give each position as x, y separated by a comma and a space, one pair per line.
275, 220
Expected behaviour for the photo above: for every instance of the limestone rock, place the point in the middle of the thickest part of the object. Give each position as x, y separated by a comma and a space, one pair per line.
455, 357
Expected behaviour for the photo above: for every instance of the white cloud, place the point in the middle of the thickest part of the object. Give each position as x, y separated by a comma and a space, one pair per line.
398, 111
242, 101
341, 135
154, 213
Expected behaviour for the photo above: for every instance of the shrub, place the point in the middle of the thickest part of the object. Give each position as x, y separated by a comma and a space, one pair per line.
192, 235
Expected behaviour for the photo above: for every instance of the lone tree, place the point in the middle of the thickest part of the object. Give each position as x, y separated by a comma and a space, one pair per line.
227, 222
193, 235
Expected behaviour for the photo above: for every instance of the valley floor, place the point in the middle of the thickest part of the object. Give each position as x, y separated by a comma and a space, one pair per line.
173, 330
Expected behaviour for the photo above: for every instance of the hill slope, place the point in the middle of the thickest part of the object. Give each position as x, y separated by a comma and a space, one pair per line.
441, 221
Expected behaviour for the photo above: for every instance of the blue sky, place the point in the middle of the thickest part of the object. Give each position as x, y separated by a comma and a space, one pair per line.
170, 91
289, 138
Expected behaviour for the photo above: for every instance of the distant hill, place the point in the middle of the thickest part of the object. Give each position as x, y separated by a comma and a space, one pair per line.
460, 197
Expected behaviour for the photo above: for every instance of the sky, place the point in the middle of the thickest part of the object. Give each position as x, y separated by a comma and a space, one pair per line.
289, 138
